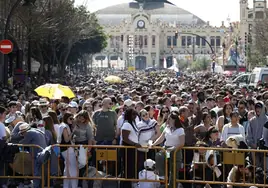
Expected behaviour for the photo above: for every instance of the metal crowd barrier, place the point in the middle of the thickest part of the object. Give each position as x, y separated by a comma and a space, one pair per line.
108, 159
23, 165
200, 170
194, 167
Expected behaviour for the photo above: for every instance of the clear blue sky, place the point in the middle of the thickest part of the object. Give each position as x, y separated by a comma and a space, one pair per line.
214, 11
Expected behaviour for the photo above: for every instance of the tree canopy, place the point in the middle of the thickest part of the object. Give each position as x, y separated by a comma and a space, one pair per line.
61, 34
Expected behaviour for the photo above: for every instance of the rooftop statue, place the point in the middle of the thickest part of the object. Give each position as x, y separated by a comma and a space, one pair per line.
144, 1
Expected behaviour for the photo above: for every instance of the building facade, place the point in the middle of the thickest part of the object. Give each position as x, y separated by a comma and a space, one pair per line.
144, 34
248, 19
249, 16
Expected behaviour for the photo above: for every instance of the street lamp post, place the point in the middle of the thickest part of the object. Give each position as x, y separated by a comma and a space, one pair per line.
186, 33
236, 56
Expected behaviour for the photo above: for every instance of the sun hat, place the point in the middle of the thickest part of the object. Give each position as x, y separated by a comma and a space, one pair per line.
43, 102
24, 127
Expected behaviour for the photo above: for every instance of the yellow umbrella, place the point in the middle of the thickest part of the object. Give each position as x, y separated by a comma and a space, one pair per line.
113, 79
54, 91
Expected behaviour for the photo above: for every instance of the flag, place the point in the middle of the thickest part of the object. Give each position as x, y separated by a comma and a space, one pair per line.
175, 63
165, 63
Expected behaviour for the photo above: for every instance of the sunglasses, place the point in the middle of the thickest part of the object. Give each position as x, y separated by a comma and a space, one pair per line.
71, 119
164, 112
144, 115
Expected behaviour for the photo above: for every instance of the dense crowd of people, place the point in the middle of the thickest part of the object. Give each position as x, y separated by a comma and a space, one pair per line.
146, 110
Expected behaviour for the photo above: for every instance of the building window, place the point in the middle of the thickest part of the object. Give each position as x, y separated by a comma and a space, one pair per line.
218, 41
169, 41
140, 41
145, 41
117, 42
128, 40
174, 41
197, 40
212, 41
203, 41
259, 15
183, 41
189, 40
153, 41
136, 41
112, 41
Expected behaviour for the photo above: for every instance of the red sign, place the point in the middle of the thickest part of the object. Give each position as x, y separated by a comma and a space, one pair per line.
6, 46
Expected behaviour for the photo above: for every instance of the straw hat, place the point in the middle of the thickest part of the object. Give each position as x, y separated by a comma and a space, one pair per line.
24, 127
43, 102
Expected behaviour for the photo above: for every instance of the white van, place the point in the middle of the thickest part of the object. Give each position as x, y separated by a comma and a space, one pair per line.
242, 79
258, 75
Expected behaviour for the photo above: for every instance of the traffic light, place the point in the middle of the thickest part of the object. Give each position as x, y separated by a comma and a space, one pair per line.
176, 34
246, 43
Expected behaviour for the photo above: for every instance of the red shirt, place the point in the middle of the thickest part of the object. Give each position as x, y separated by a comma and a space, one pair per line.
156, 112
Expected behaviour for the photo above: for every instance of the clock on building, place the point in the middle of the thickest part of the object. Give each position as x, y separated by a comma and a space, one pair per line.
141, 24
244, 1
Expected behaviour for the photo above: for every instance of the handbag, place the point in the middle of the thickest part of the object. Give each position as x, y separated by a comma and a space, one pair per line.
82, 157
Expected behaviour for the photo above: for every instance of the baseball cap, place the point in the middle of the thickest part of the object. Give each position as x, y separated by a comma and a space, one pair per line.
128, 102
73, 104
149, 163
11, 118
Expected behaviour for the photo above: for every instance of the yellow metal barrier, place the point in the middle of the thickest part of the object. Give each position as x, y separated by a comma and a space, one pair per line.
23, 165
229, 164
108, 159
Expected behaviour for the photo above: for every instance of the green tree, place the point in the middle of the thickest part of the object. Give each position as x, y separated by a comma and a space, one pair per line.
89, 45
182, 63
260, 35
200, 64
61, 34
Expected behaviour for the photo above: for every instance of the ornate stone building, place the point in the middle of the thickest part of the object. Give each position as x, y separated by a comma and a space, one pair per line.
248, 16
144, 34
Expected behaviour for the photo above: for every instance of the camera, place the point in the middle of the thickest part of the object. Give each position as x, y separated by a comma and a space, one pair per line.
261, 144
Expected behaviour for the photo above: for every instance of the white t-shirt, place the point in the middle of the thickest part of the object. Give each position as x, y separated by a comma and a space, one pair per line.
57, 128
172, 137
2, 131
148, 175
120, 122
228, 131
133, 135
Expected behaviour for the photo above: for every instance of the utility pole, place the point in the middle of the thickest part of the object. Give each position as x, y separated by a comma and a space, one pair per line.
223, 54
